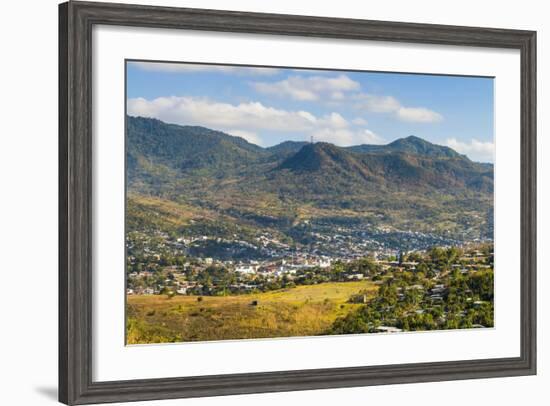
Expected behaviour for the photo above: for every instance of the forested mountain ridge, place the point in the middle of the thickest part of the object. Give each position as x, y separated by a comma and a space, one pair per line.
407, 184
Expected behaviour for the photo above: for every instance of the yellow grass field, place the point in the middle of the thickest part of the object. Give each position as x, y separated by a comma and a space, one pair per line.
300, 311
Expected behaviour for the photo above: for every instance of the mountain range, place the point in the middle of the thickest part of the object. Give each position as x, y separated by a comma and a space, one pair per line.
219, 181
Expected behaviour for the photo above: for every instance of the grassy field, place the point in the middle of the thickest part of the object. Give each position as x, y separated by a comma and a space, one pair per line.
300, 311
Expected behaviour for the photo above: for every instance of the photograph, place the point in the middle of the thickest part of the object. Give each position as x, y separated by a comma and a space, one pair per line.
264, 202
255, 203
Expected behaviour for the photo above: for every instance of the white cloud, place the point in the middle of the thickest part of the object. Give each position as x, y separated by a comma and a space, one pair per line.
418, 115
389, 104
359, 121
377, 104
346, 137
168, 67
250, 136
333, 120
332, 90
337, 95
340, 137
369, 137
309, 88
480, 151
218, 115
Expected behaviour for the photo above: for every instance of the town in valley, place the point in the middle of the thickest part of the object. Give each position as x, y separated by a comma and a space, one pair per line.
438, 284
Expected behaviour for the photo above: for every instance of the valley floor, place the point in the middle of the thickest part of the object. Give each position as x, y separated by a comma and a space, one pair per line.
299, 311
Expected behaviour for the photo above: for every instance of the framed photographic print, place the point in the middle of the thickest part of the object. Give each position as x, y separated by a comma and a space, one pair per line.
258, 202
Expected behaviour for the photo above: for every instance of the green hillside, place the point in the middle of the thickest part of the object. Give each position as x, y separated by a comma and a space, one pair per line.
225, 185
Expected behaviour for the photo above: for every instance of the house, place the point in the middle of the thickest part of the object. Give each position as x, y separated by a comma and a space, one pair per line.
324, 262
246, 269
438, 289
388, 329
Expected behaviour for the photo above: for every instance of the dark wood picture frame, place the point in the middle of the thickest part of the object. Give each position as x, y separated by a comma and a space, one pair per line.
76, 20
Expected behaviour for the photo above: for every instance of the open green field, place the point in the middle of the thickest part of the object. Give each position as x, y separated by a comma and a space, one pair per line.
300, 311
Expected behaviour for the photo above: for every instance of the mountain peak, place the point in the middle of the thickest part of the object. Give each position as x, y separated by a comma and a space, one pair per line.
413, 139
320, 155
418, 146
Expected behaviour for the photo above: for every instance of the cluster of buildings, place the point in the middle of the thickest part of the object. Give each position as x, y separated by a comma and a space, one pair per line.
283, 266
267, 257
340, 242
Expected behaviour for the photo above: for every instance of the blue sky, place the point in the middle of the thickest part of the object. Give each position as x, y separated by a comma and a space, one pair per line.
269, 105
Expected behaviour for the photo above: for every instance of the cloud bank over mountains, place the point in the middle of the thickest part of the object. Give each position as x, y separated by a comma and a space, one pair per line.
293, 104
250, 119
477, 150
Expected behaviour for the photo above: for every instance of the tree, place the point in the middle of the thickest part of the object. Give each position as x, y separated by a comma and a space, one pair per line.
401, 258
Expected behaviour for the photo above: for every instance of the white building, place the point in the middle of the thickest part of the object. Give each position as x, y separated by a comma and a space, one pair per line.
324, 262
246, 269
388, 329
